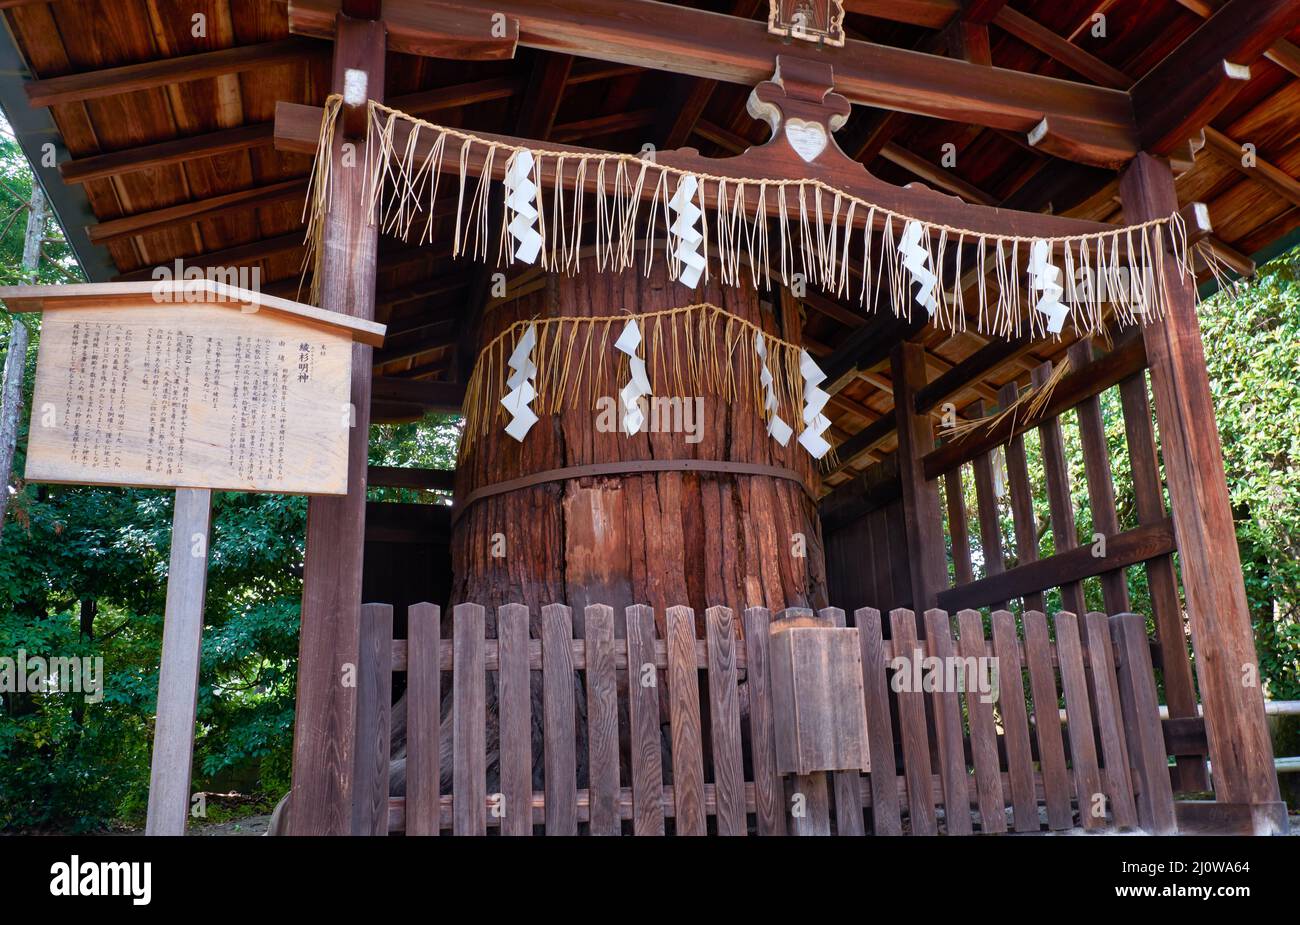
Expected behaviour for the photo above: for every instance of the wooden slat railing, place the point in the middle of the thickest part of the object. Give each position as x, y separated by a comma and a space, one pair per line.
1108, 768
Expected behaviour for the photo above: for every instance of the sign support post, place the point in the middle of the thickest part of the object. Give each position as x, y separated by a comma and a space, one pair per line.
178, 673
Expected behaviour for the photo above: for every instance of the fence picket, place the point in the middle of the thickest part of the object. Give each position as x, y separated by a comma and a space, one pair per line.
684, 712
769, 790
724, 714
559, 759
602, 721
423, 719
983, 732
515, 718
911, 725
469, 716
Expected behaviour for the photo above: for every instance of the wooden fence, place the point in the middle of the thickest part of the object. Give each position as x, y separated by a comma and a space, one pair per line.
668, 752
863, 519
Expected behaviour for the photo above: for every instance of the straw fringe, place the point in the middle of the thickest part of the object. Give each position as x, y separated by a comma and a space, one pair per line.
814, 226
689, 351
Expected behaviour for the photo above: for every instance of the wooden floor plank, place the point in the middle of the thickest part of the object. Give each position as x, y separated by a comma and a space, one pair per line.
1047, 723
684, 713
769, 792
602, 721
643, 713
983, 730
559, 716
514, 699
724, 714
469, 717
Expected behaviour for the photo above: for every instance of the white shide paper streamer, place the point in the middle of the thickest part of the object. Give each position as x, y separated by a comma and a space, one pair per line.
814, 400
688, 237
1045, 277
638, 385
522, 391
521, 199
916, 259
777, 429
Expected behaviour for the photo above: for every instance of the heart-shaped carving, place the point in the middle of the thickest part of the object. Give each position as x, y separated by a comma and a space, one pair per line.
807, 138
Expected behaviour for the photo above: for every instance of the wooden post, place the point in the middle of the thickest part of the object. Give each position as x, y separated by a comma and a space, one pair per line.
325, 723
925, 547
1241, 755
178, 672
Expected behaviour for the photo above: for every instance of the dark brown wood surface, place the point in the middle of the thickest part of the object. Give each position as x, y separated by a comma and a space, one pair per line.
423, 719
1021, 498
602, 721
925, 545
945, 706
1209, 561
331, 598
883, 779
1078, 713
983, 729
560, 721
1015, 723
646, 758
1141, 714
514, 701
769, 790
1110, 723
469, 721
724, 716
684, 714
912, 731
1047, 724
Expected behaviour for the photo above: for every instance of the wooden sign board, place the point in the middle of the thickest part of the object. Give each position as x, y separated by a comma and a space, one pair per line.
185, 386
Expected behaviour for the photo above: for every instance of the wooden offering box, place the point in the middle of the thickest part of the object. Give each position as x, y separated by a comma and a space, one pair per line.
819, 708
190, 384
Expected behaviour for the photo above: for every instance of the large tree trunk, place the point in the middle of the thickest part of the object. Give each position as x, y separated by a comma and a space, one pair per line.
666, 538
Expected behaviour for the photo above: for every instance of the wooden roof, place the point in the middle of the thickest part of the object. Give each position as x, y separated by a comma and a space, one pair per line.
168, 139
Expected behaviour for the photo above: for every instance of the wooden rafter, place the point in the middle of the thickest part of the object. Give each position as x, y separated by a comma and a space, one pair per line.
148, 75
1191, 86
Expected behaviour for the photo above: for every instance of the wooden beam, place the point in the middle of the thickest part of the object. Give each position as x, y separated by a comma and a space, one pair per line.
609, 124
988, 359
1283, 53
441, 397
188, 213
734, 50
927, 557
1126, 359
1148, 541
427, 102
325, 726
149, 75
1261, 171
982, 11
933, 14
545, 92
934, 174
1061, 49
1240, 750
463, 33
1187, 89
421, 479
239, 256
297, 128
166, 153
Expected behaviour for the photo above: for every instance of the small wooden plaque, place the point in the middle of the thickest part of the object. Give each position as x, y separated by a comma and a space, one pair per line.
234, 394
819, 711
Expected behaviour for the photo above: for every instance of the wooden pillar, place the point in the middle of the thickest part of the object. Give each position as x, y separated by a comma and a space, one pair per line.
1241, 755
328, 649
178, 670
925, 546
